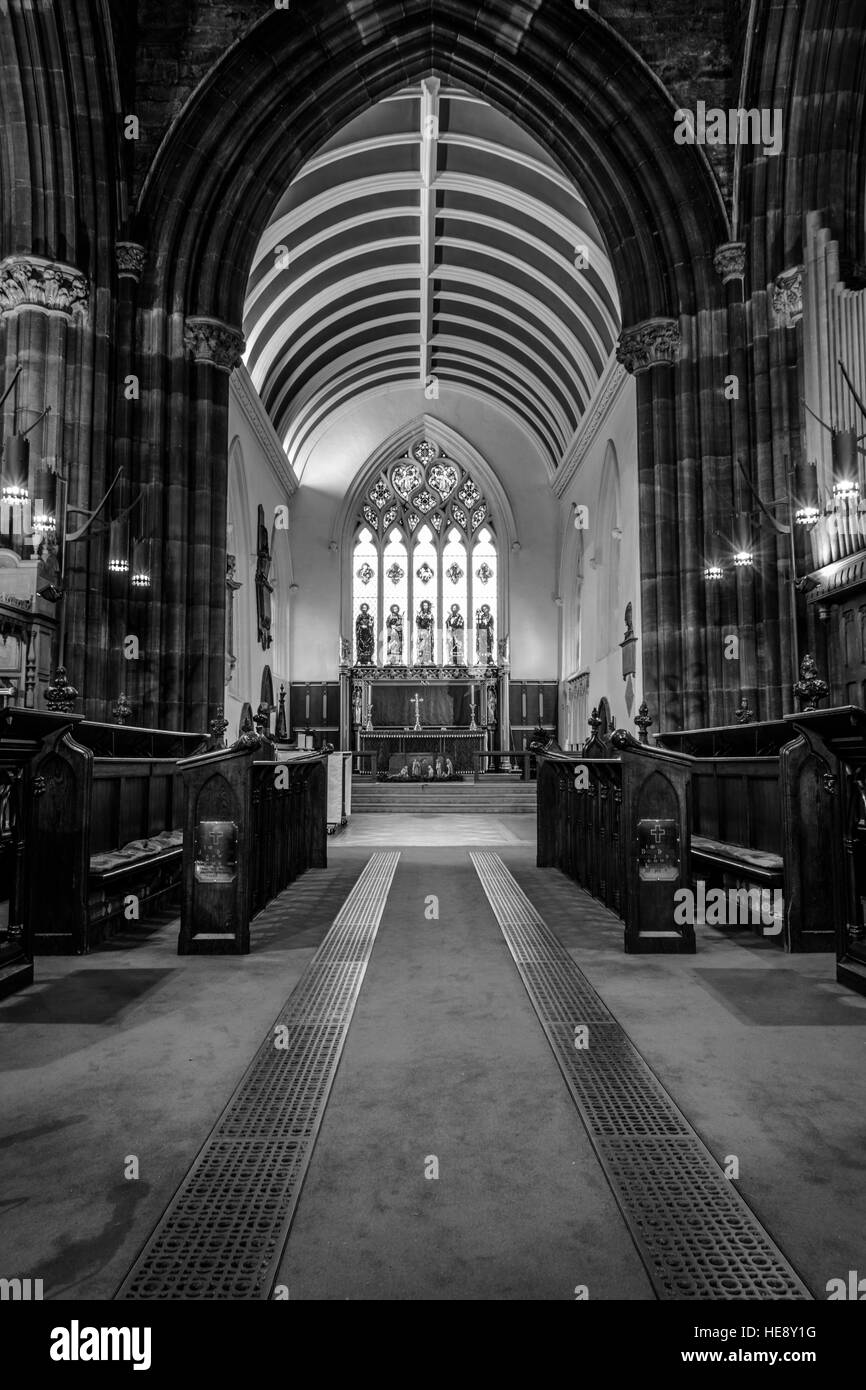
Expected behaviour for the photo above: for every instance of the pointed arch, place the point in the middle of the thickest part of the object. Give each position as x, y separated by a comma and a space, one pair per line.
424, 484
608, 552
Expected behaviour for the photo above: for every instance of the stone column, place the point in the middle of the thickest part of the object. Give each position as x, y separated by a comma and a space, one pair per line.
196, 667
733, 599
650, 351
42, 304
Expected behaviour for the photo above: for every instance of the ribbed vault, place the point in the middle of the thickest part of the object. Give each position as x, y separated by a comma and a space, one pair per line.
431, 241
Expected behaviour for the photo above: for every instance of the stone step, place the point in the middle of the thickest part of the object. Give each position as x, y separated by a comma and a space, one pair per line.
443, 810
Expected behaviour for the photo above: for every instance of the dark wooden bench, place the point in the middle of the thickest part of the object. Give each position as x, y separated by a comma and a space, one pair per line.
250, 828
22, 737
617, 823
107, 829
757, 822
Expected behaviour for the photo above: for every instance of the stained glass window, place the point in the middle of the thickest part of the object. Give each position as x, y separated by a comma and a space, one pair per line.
365, 589
395, 594
425, 556
426, 536
485, 591
455, 590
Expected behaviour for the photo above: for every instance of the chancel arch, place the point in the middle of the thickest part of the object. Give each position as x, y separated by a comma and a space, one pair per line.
657, 206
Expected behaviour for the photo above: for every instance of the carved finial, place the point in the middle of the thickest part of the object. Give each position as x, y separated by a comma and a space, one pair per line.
594, 722
745, 713
282, 729
809, 687
643, 719
629, 623
121, 710
218, 727
60, 696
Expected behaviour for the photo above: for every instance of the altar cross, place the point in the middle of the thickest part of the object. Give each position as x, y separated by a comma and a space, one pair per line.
416, 701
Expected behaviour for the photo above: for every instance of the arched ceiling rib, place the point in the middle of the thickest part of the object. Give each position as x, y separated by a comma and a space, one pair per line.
431, 238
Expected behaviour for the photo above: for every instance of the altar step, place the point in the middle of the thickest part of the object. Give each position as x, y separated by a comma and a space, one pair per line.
489, 797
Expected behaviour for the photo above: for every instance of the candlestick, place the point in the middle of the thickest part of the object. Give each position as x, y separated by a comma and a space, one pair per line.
540, 705
307, 706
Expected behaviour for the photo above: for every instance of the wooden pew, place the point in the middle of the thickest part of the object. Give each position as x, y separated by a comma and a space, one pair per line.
22, 737
829, 758
759, 820
618, 825
250, 828
107, 831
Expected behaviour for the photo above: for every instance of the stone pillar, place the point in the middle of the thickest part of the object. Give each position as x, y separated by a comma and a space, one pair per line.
42, 304
650, 351
733, 600
196, 664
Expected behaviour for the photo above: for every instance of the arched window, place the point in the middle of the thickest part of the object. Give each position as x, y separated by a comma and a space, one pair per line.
608, 549
425, 553
365, 589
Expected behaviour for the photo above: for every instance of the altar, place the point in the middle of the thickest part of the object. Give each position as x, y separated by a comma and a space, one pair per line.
456, 744
450, 712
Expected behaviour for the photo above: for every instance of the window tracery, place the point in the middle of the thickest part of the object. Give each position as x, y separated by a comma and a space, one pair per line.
424, 536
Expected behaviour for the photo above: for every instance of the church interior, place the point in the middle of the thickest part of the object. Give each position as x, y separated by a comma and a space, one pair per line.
433, 650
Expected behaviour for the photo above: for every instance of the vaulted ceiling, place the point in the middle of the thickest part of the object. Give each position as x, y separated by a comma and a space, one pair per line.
433, 243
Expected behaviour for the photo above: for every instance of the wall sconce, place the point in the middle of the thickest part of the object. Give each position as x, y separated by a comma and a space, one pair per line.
713, 573
15, 487
845, 466
45, 504
140, 576
744, 558
118, 546
846, 490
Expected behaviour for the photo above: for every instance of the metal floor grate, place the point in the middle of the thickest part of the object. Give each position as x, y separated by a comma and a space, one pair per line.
693, 1231
223, 1234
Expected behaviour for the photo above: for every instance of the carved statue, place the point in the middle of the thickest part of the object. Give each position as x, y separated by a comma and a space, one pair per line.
455, 625
484, 635
264, 587
491, 706
365, 637
394, 624
48, 582
232, 585
356, 704
810, 689
424, 625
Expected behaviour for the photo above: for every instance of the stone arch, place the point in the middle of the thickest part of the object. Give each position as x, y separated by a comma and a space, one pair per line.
462, 452
268, 106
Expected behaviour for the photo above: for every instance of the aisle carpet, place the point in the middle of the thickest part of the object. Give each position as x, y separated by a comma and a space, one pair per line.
445, 1060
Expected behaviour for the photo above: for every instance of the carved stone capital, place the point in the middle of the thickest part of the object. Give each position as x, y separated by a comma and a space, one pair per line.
730, 261
130, 260
214, 342
34, 283
649, 344
788, 297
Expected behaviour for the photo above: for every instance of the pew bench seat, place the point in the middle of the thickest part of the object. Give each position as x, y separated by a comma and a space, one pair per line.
168, 845
756, 865
148, 869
